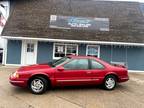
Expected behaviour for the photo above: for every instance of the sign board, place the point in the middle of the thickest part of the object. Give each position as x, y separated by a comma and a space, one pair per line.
85, 23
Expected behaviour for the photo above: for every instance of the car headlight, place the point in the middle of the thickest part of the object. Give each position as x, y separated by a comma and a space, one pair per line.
15, 75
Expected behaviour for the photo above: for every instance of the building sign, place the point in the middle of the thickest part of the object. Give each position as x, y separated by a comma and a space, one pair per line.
71, 22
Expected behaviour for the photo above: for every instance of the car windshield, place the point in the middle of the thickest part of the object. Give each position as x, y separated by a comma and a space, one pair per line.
58, 62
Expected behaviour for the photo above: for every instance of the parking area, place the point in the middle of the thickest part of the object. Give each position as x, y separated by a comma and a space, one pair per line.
126, 95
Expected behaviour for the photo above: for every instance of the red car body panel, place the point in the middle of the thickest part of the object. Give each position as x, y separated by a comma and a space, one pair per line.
69, 77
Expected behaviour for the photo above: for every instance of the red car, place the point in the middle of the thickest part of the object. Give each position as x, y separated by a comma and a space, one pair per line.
69, 71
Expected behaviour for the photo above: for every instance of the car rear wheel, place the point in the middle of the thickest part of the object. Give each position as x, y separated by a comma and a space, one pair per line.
38, 85
109, 82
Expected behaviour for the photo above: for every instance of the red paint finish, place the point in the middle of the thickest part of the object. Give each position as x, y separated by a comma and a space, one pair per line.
59, 76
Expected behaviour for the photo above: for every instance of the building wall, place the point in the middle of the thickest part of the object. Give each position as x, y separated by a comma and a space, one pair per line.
105, 53
114, 53
45, 52
82, 49
132, 56
14, 52
136, 58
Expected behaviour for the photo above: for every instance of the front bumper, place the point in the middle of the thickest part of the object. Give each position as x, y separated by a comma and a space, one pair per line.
18, 82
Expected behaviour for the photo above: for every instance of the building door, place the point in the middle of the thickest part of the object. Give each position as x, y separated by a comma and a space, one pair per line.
29, 52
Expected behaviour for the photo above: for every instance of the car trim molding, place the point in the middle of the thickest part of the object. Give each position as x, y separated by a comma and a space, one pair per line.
75, 80
17, 81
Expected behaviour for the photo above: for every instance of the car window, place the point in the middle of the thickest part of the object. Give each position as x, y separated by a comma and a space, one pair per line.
60, 61
96, 65
77, 64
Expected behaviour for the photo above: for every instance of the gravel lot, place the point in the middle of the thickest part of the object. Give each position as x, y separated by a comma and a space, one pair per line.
126, 95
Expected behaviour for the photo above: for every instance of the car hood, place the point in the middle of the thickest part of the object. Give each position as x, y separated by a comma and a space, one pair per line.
33, 67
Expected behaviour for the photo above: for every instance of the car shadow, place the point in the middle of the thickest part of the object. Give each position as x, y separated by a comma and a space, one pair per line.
19, 90
78, 87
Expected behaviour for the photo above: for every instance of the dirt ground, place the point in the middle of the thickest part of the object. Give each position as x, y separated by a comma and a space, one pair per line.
126, 95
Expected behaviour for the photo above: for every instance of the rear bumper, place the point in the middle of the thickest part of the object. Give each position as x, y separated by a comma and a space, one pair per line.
123, 79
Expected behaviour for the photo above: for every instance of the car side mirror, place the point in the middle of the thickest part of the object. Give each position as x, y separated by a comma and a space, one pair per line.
60, 69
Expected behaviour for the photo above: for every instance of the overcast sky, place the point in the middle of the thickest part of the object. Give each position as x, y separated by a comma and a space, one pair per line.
128, 0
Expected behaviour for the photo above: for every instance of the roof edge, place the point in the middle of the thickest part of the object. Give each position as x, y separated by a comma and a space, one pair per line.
75, 41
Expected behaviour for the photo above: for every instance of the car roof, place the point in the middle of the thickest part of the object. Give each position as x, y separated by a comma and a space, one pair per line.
73, 56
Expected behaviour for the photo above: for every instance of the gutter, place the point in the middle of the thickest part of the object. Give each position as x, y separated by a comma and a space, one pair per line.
74, 41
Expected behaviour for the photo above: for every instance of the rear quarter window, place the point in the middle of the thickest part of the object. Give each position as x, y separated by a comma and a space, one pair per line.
96, 65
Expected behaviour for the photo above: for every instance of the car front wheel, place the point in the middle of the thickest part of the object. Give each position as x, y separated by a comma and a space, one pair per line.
38, 85
110, 82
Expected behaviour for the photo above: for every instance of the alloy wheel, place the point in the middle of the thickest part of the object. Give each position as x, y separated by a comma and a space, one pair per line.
110, 83
37, 85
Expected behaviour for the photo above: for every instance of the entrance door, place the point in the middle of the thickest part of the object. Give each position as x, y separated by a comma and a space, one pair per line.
30, 52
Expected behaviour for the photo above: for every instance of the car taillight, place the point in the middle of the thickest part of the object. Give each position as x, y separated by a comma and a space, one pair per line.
118, 65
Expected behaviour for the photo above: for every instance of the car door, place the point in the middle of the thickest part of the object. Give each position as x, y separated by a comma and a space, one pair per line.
75, 72
98, 71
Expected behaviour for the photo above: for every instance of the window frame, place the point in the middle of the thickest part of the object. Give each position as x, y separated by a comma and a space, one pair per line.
98, 46
65, 44
63, 63
30, 47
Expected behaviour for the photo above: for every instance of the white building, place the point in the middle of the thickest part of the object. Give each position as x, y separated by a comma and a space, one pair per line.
4, 13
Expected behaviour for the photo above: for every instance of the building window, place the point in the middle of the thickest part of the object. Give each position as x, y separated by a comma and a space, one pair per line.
61, 50
71, 49
30, 47
93, 50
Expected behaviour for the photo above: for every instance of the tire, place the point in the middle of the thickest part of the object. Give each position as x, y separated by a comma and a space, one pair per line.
38, 85
110, 82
